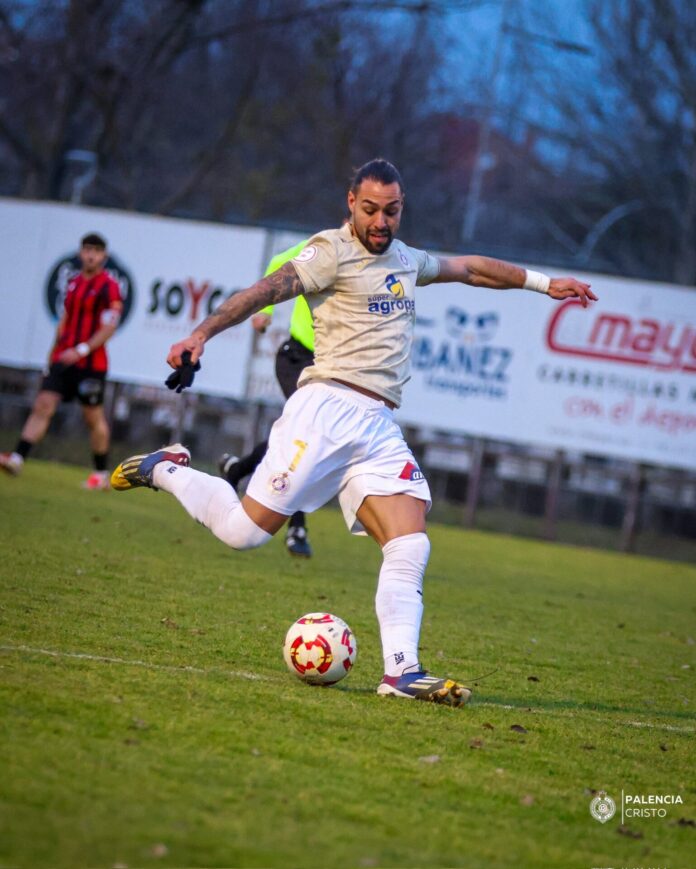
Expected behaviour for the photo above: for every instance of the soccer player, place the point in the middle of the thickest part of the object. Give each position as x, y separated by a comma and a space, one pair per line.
337, 434
78, 362
293, 356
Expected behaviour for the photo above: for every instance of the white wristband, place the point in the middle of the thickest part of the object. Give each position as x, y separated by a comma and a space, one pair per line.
537, 281
83, 349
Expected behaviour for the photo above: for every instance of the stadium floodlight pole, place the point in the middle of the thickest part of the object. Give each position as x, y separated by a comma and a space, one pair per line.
81, 182
483, 161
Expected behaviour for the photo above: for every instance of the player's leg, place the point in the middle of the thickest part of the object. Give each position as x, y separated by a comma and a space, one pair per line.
207, 499
98, 429
387, 496
291, 360
234, 469
35, 427
42, 412
296, 537
385, 517
275, 491
90, 394
397, 523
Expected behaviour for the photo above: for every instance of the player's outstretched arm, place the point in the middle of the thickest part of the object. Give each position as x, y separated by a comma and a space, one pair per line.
277, 287
495, 274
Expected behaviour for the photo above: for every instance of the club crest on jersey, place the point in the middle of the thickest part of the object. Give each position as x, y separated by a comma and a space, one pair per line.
306, 255
394, 285
279, 483
411, 472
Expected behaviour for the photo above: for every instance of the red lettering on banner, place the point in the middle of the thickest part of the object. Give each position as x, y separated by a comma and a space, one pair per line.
196, 295
668, 421
615, 337
580, 407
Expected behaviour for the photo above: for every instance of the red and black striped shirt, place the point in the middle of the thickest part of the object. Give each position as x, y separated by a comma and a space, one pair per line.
85, 302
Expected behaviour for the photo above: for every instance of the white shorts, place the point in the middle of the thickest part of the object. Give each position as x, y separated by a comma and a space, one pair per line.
332, 440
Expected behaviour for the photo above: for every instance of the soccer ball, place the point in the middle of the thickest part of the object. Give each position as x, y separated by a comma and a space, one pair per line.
320, 649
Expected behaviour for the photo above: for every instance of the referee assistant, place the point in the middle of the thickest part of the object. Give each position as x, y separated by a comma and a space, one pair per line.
293, 356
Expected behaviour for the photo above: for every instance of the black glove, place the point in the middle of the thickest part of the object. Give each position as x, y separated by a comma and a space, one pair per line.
181, 378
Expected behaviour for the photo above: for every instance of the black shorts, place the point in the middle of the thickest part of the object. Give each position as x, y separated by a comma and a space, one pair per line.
72, 382
291, 360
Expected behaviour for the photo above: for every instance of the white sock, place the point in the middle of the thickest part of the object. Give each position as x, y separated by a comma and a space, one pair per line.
399, 600
212, 502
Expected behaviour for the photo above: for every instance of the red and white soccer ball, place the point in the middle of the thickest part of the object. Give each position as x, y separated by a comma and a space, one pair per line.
320, 649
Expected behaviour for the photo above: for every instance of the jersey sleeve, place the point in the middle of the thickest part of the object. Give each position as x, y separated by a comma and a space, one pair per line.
113, 293
276, 262
428, 267
317, 264
67, 302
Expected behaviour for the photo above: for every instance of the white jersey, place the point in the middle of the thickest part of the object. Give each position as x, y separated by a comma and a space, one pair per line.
364, 309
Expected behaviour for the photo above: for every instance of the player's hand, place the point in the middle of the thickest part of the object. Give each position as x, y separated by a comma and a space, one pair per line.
69, 357
261, 322
182, 378
194, 344
569, 288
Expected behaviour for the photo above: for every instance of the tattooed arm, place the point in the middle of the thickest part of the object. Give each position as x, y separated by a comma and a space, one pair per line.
277, 287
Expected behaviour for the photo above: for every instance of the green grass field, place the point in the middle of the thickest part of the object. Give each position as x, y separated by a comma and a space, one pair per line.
148, 718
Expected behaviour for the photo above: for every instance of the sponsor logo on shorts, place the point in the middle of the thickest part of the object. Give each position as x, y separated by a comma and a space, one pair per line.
279, 483
411, 472
304, 256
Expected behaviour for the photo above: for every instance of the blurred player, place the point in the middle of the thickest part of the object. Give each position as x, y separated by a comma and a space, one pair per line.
337, 434
78, 362
293, 356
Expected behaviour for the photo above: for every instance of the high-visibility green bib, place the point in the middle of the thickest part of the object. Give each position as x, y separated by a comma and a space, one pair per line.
301, 325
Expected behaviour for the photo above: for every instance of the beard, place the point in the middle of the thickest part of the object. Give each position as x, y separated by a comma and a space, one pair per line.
375, 243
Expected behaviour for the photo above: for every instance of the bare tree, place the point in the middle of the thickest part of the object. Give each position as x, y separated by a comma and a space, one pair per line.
626, 125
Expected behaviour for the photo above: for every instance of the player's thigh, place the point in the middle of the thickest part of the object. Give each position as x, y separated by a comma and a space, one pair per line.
46, 402
270, 520
385, 517
93, 415
309, 449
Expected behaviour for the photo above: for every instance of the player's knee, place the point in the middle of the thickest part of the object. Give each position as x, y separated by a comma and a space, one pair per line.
243, 533
95, 422
413, 548
44, 407
405, 560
